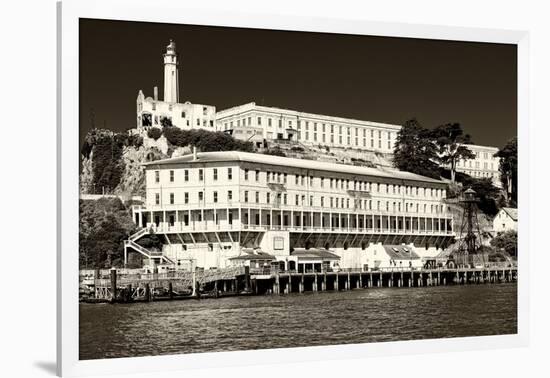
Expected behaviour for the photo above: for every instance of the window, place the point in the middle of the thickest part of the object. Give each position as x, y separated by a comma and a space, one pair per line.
186, 175
229, 195
230, 173
215, 174
268, 198
186, 197
171, 198
246, 196
172, 175
257, 197
246, 174
157, 176
201, 175
257, 175
157, 199
259, 120
215, 197
201, 196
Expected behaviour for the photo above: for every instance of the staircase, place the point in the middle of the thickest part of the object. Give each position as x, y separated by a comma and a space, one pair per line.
137, 235
130, 243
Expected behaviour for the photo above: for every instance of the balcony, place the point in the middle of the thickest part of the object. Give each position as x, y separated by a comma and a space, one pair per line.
236, 226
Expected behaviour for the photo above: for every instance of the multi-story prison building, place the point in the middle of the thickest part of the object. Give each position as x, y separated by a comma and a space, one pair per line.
483, 165
217, 208
258, 123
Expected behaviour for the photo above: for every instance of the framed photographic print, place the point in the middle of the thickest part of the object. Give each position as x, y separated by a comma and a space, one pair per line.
239, 188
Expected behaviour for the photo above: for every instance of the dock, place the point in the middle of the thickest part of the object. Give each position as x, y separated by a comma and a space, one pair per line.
127, 288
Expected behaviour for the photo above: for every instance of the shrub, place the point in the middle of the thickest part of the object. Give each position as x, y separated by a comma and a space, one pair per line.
154, 133
274, 152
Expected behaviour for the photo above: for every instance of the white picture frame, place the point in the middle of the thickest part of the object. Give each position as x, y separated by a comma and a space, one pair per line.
69, 13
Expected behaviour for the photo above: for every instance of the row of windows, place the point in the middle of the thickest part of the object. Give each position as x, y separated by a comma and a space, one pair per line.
322, 182
316, 126
475, 164
356, 135
303, 200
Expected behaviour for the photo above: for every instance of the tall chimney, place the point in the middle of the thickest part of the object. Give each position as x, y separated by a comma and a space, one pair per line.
156, 93
194, 153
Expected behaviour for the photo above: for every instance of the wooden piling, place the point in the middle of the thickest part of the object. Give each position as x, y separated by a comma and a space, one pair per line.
113, 284
147, 293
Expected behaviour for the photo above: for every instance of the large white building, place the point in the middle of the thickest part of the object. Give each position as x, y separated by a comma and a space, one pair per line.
151, 111
256, 123
219, 208
484, 165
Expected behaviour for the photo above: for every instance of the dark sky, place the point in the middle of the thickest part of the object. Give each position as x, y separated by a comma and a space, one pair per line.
368, 78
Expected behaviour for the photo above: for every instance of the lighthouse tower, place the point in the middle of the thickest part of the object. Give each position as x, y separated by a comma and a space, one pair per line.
171, 81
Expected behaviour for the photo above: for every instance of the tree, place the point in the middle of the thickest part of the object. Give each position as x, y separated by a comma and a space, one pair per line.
508, 241
488, 194
154, 133
415, 151
104, 225
205, 140
107, 163
450, 143
508, 168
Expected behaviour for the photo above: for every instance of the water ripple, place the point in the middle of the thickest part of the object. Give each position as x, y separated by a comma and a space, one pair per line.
241, 323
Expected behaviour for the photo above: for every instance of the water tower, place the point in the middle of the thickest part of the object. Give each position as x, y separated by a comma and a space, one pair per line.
469, 239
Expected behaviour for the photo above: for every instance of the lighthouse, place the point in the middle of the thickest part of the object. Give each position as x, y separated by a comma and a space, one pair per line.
171, 81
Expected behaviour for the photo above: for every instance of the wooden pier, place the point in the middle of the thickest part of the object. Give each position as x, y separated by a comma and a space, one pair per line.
246, 281
294, 282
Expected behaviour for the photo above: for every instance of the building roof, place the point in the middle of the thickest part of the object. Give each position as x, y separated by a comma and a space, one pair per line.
250, 254
228, 156
401, 252
512, 212
314, 253
251, 106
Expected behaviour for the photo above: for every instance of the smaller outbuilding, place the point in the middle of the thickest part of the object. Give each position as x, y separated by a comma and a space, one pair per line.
506, 220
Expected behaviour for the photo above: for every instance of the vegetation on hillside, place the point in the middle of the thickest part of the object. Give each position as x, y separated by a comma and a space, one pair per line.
509, 170
450, 142
507, 241
154, 133
104, 149
205, 140
104, 225
415, 151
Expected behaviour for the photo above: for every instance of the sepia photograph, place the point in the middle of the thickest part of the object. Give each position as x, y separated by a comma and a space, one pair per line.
245, 189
